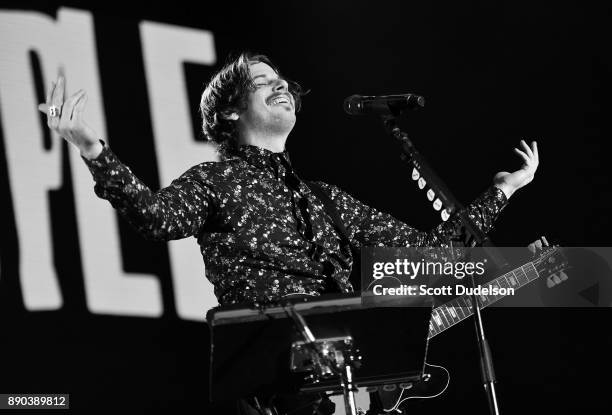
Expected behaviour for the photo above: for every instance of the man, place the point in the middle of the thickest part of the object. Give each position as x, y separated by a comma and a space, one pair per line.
263, 232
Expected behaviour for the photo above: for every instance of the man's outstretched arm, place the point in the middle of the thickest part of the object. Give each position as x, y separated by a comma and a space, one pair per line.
174, 212
370, 227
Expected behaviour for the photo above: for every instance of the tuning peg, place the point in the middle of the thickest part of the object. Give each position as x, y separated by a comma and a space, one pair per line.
430, 195
531, 248
415, 174
556, 279
421, 183
537, 245
550, 281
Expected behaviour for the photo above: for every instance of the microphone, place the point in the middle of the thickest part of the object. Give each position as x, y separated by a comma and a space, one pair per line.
382, 104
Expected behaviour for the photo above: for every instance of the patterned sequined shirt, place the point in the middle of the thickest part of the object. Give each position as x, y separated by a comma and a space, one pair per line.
262, 233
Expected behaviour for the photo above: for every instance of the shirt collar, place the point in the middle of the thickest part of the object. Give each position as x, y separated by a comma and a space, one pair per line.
260, 157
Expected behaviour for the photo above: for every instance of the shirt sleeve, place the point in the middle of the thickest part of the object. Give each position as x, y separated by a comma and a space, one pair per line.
174, 212
369, 227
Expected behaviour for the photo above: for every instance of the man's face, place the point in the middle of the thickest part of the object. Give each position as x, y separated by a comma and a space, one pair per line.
270, 107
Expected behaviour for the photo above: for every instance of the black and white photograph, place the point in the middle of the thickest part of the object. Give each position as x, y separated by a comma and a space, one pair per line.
305, 207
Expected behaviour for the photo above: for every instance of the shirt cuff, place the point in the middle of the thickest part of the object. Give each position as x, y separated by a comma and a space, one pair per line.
497, 197
104, 163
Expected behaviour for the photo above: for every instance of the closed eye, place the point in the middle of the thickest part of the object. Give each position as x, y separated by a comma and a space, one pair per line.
270, 81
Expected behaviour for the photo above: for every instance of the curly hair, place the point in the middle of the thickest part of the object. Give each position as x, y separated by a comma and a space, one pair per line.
226, 93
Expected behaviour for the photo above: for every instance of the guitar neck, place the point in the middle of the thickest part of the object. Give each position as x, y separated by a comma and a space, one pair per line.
460, 308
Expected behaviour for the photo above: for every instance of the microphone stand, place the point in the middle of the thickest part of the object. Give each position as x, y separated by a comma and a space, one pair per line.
452, 205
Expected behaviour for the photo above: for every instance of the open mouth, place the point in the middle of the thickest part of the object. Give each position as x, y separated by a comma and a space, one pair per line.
279, 99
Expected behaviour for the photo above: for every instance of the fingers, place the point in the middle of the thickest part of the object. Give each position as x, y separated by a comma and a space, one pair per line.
524, 156
50, 93
79, 106
57, 96
527, 152
44, 108
68, 123
65, 122
526, 148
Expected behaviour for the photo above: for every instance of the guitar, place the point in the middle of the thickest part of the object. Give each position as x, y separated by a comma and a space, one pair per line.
436, 378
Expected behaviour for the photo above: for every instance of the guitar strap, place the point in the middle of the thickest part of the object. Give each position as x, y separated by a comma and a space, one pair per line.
332, 212
376, 405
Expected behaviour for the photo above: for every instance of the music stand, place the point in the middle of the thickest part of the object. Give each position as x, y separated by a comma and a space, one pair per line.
250, 348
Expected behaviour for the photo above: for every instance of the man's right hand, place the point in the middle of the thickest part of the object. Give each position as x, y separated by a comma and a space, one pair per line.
69, 123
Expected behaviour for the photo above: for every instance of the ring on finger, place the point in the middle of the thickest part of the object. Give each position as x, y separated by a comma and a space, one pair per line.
54, 111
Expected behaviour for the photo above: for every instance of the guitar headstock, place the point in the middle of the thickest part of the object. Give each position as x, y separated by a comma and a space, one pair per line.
550, 260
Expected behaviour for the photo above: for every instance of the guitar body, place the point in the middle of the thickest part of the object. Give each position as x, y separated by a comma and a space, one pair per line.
391, 398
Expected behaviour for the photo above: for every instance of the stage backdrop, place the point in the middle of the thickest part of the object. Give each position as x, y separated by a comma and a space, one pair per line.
89, 308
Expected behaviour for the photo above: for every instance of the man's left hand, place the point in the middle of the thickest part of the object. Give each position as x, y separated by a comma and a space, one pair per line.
511, 182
